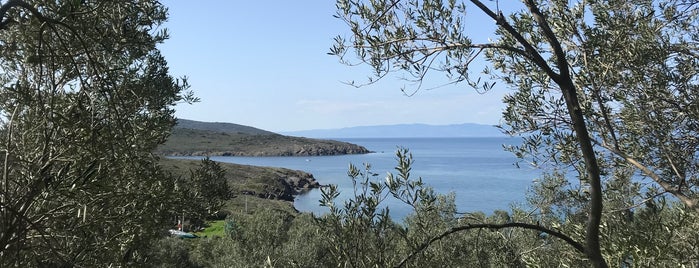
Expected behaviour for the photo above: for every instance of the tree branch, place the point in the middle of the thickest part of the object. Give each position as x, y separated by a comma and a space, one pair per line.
18, 3
383, 13
534, 55
449, 46
565, 82
687, 200
579, 247
551, 37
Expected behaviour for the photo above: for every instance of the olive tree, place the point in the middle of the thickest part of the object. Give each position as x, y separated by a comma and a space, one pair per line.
207, 190
598, 87
86, 97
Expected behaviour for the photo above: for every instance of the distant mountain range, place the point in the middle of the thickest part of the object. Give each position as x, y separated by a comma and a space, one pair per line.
403, 131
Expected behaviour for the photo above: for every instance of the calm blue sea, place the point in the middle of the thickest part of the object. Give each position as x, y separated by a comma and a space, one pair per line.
478, 171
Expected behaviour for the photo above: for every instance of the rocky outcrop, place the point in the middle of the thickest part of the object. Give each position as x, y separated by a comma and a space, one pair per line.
288, 187
268, 182
297, 183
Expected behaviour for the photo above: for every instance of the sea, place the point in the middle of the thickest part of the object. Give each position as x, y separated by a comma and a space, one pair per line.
478, 171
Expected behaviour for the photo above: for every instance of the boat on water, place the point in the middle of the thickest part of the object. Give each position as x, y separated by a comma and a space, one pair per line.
181, 234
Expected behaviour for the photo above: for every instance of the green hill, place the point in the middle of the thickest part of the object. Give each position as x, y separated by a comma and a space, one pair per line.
221, 127
194, 138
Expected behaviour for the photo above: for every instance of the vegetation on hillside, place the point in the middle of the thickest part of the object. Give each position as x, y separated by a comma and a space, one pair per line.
221, 127
252, 182
225, 139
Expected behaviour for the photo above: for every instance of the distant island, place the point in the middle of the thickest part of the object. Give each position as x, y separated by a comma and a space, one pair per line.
404, 131
195, 138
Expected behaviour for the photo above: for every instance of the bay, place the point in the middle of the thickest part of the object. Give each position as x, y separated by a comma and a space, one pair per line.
482, 176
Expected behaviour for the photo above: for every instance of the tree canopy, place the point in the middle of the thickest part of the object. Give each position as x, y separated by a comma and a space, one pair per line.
605, 90
604, 94
85, 99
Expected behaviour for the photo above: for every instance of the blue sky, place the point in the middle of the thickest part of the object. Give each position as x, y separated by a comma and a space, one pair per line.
264, 64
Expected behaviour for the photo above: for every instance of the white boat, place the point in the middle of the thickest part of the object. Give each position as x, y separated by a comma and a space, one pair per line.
181, 234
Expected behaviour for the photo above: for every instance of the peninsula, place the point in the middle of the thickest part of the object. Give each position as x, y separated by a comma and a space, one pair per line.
194, 138
261, 186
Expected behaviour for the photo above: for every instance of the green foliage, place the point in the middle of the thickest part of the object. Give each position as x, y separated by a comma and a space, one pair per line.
637, 230
270, 238
605, 92
251, 187
261, 234
632, 71
406, 36
207, 189
86, 97
171, 252
361, 234
359, 231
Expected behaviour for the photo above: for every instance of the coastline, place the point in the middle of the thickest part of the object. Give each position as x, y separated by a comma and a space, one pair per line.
271, 183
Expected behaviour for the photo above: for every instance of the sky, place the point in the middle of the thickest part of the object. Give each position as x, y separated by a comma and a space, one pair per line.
264, 64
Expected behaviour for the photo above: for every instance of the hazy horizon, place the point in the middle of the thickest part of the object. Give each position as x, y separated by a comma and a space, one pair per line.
391, 130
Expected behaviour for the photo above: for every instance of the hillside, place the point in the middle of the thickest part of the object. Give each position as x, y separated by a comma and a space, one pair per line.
404, 131
263, 186
193, 138
221, 127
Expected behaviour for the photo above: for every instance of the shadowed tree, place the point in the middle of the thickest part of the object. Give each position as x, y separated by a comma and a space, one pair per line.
208, 189
86, 97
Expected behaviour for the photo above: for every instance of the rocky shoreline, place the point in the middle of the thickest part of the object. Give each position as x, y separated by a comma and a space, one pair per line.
272, 183
292, 184
316, 150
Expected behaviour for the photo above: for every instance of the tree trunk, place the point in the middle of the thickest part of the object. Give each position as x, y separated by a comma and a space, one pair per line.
592, 244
